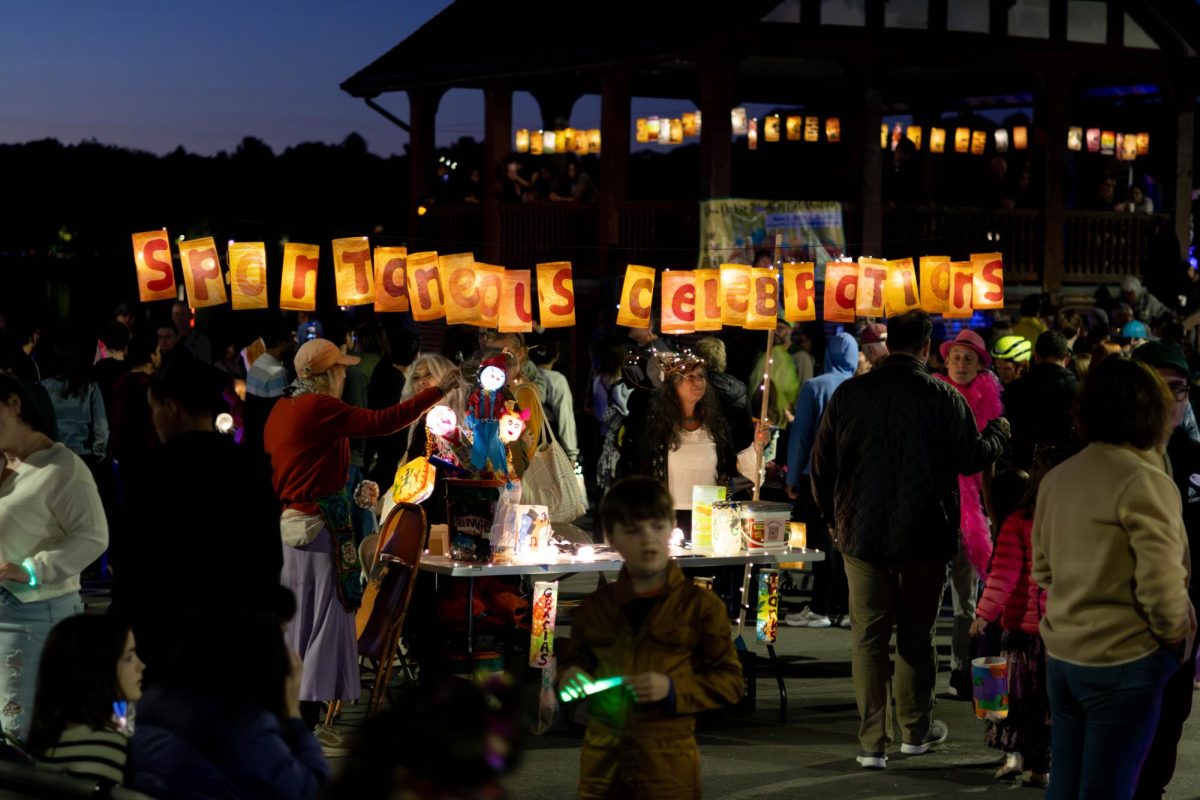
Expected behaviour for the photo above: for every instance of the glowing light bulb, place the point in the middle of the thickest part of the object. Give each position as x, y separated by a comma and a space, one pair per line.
224, 422
586, 553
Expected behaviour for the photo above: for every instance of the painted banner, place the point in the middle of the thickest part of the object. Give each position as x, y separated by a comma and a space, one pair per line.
516, 301
390, 292
556, 295
767, 622
901, 292
962, 279
247, 275
732, 229
298, 287
935, 284
678, 301
353, 274
708, 299
202, 273
799, 292
841, 284
987, 291
152, 260
872, 277
424, 288
735, 291
637, 293
541, 630
763, 308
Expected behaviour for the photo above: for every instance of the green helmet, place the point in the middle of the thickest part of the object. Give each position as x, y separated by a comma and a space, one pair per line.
1012, 348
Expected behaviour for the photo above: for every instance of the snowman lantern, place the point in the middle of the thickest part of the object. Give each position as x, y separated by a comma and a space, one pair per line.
484, 409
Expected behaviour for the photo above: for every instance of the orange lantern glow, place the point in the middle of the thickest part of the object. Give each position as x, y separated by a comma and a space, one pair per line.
643, 131
812, 129
1143, 144
594, 141
537, 143
353, 274
978, 142
155, 270
689, 124
913, 134
937, 140
1020, 137
247, 275
771, 128
202, 272
1075, 139
752, 135
962, 140
795, 129
676, 131
522, 140
935, 283
833, 129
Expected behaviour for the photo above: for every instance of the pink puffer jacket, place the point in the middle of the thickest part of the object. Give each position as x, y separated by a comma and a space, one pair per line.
1009, 595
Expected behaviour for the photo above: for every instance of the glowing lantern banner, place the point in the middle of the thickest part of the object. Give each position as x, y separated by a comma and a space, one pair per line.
841, 285
708, 299
799, 291
456, 279
767, 620
962, 279
298, 284
424, 287
516, 301
735, 291
987, 291
247, 275
556, 294
202, 273
678, 301
155, 271
763, 307
489, 282
935, 284
872, 276
352, 271
541, 629
390, 292
637, 293
901, 294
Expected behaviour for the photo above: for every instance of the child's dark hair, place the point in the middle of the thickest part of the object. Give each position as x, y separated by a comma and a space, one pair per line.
1045, 458
77, 677
634, 500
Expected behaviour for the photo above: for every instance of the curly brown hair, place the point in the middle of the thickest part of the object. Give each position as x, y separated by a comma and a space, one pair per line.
665, 418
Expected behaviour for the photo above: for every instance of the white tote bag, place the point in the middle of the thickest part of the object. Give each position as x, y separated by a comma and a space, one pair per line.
550, 480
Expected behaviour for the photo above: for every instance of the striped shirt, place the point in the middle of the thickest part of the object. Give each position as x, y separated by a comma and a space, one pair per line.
87, 753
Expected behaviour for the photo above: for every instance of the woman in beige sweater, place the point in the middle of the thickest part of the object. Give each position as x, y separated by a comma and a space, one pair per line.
1109, 550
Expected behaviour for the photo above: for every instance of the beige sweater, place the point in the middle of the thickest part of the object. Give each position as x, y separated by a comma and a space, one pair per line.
1110, 550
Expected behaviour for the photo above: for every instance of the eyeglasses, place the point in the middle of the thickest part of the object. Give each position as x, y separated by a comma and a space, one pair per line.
1179, 389
696, 377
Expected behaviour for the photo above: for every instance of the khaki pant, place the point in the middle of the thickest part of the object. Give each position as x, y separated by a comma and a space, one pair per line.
906, 597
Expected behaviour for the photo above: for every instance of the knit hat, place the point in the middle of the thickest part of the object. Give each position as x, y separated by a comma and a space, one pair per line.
873, 333
967, 338
317, 356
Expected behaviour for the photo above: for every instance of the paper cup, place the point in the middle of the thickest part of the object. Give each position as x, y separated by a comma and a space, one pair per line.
989, 679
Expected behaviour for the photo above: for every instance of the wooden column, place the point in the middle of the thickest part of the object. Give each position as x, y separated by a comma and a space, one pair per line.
1051, 111
867, 141
497, 145
422, 112
1185, 156
615, 115
716, 128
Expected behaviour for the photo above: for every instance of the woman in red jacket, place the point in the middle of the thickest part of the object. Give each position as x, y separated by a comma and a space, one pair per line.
307, 437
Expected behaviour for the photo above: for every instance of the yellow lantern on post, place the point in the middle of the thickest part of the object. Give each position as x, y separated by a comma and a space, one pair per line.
833, 129
643, 132
771, 128
522, 140
1075, 139
676, 131
537, 143
812, 129
1020, 137
978, 142
913, 134
962, 140
594, 141
937, 140
689, 123
752, 134
795, 128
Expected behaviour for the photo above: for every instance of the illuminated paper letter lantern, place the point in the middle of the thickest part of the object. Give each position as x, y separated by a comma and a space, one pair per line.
652, 126
516, 301
937, 140
594, 141
799, 291
636, 295
676, 131
391, 294
1020, 137
841, 287
935, 284
1108, 142
489, 282
737, 120
833, 129
1093, 140
1075, 139
298, 288
522, 140
247, 275
962, 281
664, 131
643, 131
1129, 148
352, 271
767, 622
425, 287
202, 272
978, 142
456, 277
1001, 137
1143, 144
537, 142
678, 301
812, 129
569, 136
987, 292
581, 143
560, 141
735, 294
900, 294
795, 129
883, 136
763, 308
556, 294
752, 135
872, 277
771, 128
699, 123
689, 124
708, 299
962, 140
541, 629
913, 134
155, 270
549, 142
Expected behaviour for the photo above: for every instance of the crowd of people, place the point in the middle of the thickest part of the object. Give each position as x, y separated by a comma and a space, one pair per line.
1039, 468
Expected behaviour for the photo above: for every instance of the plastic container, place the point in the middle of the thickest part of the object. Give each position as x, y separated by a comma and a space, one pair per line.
702, 499
764, 524
726, 529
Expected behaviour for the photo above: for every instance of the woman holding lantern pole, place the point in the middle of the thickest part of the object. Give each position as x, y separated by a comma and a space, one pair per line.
307, 437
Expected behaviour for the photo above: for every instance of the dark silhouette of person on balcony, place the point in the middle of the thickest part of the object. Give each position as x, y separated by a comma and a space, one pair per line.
574, 186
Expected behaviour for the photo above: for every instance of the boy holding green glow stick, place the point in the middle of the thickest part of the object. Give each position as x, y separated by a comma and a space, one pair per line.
651, 650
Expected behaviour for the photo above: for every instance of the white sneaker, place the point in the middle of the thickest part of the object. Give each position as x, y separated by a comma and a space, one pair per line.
844, 621
938, 733
872, 762
332, 743
807, 619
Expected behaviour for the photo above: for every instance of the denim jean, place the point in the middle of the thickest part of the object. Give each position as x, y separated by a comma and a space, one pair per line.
1104, 720
23, 631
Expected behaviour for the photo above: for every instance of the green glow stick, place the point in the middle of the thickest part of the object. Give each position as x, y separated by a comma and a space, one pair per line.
570, 693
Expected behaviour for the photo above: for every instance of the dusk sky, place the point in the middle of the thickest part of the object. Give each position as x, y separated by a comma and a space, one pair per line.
155, 74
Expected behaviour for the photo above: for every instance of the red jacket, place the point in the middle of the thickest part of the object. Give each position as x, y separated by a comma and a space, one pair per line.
1009, 595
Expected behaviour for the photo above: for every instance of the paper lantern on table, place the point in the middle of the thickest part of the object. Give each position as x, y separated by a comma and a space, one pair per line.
913, 134
833, 129
937, 140
522, 140
962, 140
795, 129
771, 128
1020, 137
1075, 139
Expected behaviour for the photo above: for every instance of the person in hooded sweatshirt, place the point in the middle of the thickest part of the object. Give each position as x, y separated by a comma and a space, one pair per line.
829, 578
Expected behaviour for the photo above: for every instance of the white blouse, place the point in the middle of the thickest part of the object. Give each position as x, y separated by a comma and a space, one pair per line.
694, 463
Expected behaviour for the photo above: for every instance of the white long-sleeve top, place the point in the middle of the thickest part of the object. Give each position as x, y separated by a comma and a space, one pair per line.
50, 513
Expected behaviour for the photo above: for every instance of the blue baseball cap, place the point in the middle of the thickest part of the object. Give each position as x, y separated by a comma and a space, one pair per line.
1135, 330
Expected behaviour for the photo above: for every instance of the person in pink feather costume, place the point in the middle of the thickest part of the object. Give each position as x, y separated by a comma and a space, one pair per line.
967, 363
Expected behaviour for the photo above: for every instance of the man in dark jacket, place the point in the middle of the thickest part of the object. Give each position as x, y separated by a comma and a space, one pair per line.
1039, 404
885, 469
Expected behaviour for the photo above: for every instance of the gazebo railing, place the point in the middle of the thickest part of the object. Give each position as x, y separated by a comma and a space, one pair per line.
1100, 246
